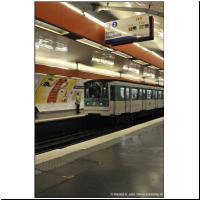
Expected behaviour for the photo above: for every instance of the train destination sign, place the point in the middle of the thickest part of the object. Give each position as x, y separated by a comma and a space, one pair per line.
134, 29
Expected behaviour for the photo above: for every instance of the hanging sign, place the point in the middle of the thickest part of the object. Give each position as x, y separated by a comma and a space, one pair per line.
134, 29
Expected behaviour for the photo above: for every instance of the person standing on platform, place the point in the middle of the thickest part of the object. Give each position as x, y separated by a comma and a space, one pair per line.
78, 100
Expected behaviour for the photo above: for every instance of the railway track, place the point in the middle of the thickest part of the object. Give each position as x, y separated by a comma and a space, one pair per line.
64, 139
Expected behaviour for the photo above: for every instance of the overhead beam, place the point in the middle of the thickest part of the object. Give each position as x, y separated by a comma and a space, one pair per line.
59, 15
129, 9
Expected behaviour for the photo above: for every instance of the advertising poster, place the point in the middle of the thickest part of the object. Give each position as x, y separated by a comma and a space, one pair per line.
57, 93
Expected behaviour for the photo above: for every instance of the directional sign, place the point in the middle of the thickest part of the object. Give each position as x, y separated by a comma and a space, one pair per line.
134, 29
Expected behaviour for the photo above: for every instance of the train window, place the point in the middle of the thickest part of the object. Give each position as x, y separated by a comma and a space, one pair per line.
127, 93
112, 92
156, 94
122, 89
140, 93
143, 93
134, 93
153, 94
159, 94
96, 89
149, 94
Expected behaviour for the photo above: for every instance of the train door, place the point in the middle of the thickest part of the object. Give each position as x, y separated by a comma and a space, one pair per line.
140, 101
156, 98
149, 102
127, 100
144, 99
112, 99
121, 104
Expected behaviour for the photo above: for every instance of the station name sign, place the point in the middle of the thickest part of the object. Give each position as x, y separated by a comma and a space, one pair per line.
134, 29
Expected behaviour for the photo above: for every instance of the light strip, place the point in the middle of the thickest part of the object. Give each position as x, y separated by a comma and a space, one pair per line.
156, 54
153, 67
140, 62
121, 54
72, 7
94, 44
145, 49
89, 43
50, 28
94, 19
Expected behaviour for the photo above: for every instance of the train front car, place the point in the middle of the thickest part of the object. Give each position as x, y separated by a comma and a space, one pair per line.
97, 97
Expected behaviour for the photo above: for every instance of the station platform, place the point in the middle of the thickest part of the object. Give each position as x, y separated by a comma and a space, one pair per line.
58, 115
124, 164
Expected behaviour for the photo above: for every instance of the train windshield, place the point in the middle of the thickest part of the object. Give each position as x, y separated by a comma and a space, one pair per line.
96, 89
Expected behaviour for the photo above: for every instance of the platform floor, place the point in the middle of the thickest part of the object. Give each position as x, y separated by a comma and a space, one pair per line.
59, 115
134, 167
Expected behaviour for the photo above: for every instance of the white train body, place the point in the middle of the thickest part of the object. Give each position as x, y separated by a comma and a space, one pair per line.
107, 97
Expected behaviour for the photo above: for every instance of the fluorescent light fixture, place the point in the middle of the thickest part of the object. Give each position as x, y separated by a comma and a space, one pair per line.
138, 13
153, 67
139, 4
140, 62
50, 28
121, 54
90, 43
94, 70
94, 19
145, 49
53, 62
94, 44
75, 77
156, 54
72, 7
128, 4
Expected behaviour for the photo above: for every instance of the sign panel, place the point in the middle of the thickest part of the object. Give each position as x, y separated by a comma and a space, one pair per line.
135, 29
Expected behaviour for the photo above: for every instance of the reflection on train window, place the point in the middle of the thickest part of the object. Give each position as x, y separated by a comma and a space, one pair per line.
159, 94
112, 92
140, 94
153, 94
127, 93
96, 89
122, 92
144, 94
134, 93
156, 94
148, 94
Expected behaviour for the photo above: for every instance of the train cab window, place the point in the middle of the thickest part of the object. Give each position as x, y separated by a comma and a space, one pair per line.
159, 94
122, 90
149, 94
127, 93
140, 93
143, 93
96, 89
134, 93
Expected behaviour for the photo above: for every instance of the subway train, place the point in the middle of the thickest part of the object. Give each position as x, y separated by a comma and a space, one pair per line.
115, 98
